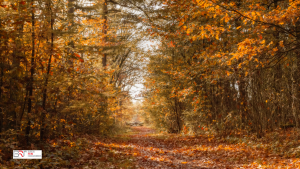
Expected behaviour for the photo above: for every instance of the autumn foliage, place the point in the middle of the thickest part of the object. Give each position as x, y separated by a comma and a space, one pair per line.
61, 67
218, 67
227, 65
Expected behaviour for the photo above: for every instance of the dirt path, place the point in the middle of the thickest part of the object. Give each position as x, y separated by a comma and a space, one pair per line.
160, 152
203, 152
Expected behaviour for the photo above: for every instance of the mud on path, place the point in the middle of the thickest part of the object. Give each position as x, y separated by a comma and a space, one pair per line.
152, 150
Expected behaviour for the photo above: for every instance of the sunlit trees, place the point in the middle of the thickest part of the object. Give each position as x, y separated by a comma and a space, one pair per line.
63, 67
235, 62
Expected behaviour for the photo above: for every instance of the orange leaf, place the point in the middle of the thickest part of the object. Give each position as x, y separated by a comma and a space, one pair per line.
171, 44
76, 54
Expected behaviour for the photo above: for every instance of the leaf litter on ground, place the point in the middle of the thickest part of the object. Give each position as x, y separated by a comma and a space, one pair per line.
143, 147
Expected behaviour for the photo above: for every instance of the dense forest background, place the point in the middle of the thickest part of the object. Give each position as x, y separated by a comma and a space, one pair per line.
228, 66
67, 66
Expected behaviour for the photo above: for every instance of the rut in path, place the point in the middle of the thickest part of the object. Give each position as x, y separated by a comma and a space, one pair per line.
174, 151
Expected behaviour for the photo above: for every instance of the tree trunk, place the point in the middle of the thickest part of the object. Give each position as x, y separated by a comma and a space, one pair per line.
30, 85
295, 78
105, 13
42, 132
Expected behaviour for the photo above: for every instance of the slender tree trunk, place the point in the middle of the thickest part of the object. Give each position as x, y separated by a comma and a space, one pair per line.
105, 13
1, 78
15, 92
258, 100
42, 132
295, 78
1, 110
177, 114
104, 58
294, 92
278, 76
243, 100
30, 85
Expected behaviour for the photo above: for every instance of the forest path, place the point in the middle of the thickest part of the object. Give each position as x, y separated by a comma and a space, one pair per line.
152, 150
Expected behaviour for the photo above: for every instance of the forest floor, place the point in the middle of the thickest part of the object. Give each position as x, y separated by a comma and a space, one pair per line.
143, 147
151, 150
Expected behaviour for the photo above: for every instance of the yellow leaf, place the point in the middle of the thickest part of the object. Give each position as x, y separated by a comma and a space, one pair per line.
183, 162
188, 31
217, 36
194, 38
